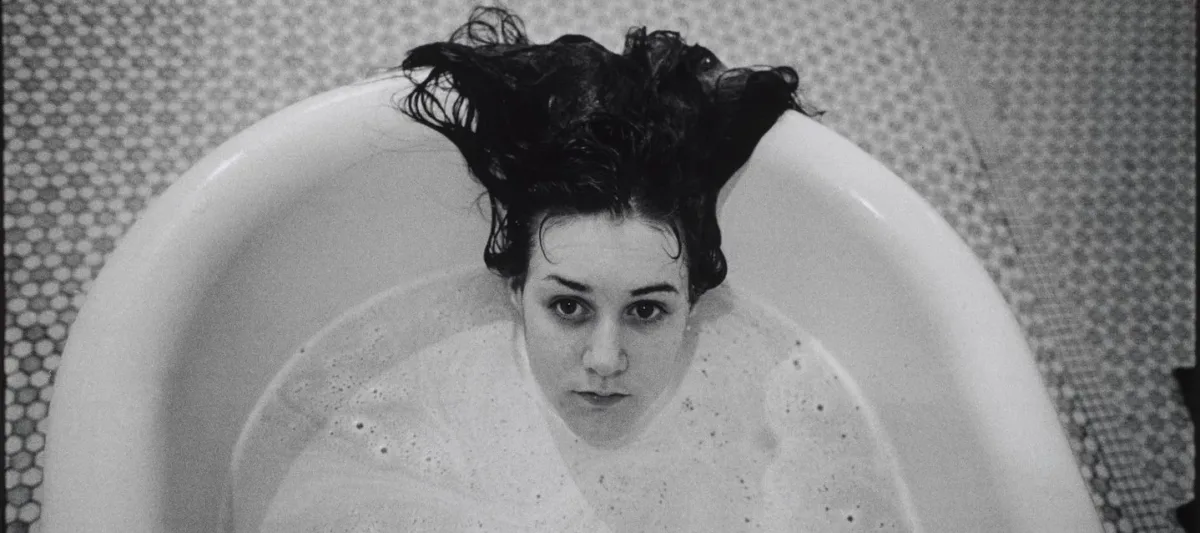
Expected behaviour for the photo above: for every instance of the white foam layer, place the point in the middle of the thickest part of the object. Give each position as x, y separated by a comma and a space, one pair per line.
413, 412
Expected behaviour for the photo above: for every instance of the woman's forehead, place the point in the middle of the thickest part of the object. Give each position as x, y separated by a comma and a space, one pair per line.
620, 251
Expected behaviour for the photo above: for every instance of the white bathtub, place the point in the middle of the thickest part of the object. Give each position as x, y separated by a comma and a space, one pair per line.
334, 199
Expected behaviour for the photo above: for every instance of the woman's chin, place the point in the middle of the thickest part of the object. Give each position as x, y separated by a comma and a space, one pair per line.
601, 435
601, 428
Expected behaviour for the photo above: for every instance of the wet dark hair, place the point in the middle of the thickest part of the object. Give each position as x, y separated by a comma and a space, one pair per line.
569, 127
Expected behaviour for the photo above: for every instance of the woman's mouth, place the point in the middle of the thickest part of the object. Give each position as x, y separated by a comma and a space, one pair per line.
600, 399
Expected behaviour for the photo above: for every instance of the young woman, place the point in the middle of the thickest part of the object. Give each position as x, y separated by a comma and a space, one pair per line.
603, 172
633, 404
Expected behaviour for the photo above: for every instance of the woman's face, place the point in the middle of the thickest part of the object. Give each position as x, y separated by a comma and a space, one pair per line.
604, 308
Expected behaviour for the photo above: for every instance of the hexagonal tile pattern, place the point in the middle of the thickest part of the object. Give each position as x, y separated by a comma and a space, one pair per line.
107, 103
1085, 114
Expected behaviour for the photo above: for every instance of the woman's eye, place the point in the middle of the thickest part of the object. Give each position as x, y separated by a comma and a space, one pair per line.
569, 309
647, 311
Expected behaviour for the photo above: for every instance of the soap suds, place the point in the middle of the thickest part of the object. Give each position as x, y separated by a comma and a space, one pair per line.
411, 412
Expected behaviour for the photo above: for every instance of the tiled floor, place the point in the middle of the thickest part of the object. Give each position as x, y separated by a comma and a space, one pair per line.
1057, 138
1086, 113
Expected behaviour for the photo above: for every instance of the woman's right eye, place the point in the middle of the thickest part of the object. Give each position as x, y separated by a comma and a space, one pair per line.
568, 309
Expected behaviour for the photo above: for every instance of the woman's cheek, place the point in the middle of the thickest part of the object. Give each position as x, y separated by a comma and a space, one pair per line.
669, 330
670, 339
549, 343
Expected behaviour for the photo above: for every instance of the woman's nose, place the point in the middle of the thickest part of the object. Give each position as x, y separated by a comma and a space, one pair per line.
604, 355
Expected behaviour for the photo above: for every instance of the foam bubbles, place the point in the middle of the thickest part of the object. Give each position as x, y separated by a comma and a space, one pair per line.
409, 413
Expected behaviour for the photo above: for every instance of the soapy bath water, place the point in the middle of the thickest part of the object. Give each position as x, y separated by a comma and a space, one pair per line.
416, 412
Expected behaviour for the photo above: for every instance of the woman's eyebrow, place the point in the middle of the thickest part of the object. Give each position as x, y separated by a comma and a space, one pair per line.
570, 284
658, 287
575, 285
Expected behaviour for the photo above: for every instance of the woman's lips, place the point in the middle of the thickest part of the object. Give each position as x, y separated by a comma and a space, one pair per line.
600, 399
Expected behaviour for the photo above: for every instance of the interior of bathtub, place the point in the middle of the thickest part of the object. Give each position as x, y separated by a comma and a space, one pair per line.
416, 410
316, 345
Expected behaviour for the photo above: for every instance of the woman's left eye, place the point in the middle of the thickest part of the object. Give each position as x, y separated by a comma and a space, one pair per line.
647, 311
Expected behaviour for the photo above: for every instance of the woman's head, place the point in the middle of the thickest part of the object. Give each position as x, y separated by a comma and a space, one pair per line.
570, 128
602, 170
604, 308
